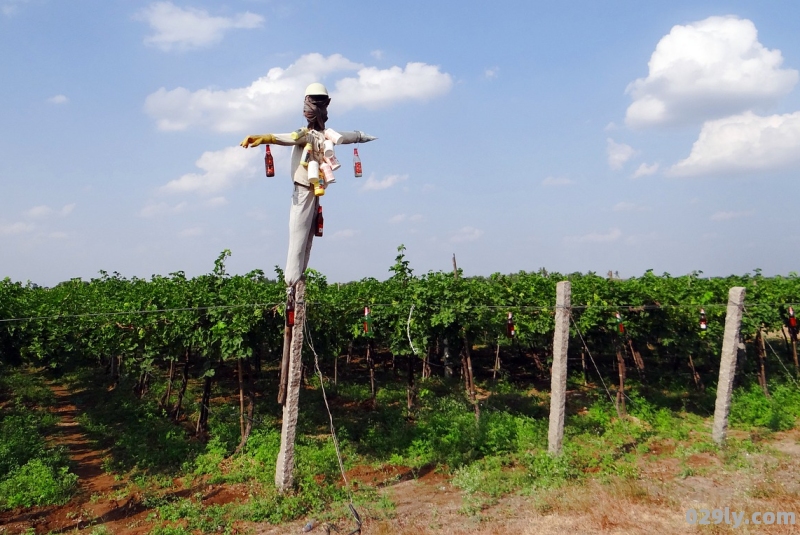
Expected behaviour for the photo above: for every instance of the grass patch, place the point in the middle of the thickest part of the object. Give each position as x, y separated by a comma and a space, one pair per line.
32, 472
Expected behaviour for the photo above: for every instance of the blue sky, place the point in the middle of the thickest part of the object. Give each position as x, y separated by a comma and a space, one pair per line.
584, 136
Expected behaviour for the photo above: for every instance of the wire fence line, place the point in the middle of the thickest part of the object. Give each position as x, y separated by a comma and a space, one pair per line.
535, 308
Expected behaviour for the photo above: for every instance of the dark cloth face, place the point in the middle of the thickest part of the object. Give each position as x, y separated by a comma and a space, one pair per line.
315, 110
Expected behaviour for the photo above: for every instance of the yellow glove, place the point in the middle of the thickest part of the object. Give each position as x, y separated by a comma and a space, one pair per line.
256, 140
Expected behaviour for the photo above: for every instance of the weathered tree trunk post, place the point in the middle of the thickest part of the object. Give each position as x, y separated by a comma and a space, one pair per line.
287, 344
794, 354
762, 362
727, 367
284, 477
621, 411
558, 374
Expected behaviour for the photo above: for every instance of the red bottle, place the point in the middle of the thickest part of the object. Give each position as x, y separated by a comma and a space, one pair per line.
511, 329
356, 163
620, 326
269, 163
703, 322
290, 312
319, 222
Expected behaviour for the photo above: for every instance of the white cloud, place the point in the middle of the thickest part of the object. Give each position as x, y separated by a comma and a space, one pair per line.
618, 154
39, 211
466, 234
376, 88
416, 218
58, 99
596, 237
377, 54
705, 70
629, 207
372, 184
491, 73
725, 216
215, 202
190, 232
557, 181
222, 170
152, 209
187, 28
278, 96
743, 143
15, 228
645, 170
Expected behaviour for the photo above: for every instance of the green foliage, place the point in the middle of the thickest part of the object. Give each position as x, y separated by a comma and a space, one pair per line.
31, 471
37, 483
751, 409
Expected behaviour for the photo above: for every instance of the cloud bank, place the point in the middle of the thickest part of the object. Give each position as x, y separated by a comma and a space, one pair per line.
743, 143
278, 96
176, 28
706, 70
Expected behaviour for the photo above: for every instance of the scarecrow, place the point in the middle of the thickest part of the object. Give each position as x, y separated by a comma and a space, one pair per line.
313, 163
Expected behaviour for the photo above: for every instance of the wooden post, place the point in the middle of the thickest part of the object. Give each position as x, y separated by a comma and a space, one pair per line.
762, 362
558, 374
284, 477
727, 367
287, 344
621, 411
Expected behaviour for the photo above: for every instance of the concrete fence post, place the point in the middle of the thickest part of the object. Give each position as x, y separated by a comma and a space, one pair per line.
284, 478
558, 374
727, 366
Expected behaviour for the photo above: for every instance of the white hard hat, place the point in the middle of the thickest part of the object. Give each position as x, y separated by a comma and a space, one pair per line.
316, 89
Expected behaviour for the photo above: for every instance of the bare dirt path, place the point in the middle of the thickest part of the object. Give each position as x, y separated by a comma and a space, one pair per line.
94, 502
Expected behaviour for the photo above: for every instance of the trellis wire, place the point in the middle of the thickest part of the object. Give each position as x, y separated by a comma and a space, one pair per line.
634, 308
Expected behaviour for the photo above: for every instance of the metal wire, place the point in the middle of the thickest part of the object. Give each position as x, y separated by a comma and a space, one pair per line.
310, 344
635, 308
610, 397
788, 374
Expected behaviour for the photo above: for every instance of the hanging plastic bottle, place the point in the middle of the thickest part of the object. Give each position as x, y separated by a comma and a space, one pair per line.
620, 326
300, 132
333, 135
327, 148
703, 322
320, 221
305, 157
367, 322
269, 163
327, 171
511, 329
333, 162
315, 178
356, 163
792, 324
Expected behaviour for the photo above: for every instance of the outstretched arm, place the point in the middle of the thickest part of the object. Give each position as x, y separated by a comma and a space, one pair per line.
356, 136
271, 139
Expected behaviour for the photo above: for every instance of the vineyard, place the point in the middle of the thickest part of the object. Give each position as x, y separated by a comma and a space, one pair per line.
437, 372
